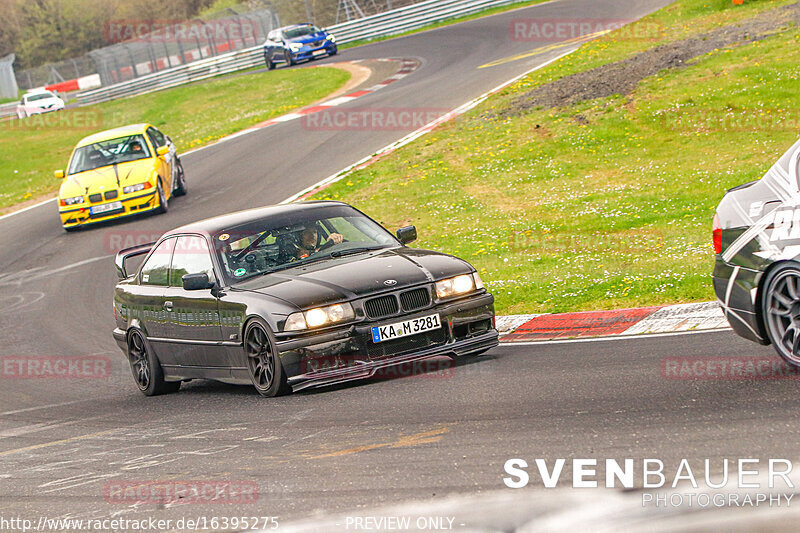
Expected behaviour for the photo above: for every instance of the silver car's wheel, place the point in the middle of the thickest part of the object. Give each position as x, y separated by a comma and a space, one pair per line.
781, 311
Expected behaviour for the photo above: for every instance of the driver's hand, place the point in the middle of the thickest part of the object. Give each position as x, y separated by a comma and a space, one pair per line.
337, 238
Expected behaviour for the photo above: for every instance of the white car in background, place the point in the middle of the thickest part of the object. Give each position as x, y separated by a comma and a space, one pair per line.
39, 101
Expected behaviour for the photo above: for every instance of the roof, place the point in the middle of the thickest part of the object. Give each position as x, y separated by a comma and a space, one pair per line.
113, 133
211, 226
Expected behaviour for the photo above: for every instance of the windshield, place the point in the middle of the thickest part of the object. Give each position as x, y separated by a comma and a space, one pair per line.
293, 33
281, 242
106, 153
40, 96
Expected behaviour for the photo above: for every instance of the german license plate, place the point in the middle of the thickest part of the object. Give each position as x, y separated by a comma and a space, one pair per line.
105, 207
318, 52
405, 328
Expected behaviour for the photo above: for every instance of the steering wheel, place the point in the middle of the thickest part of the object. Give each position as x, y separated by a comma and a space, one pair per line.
328, 244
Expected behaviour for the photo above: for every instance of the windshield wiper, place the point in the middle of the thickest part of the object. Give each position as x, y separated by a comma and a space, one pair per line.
340, 253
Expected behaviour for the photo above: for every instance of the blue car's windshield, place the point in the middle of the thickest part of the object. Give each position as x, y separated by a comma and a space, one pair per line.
293, 33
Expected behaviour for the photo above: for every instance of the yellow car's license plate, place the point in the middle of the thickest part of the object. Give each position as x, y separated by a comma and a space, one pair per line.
95, 209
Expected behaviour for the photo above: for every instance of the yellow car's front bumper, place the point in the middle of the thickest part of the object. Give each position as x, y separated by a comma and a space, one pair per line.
136, 203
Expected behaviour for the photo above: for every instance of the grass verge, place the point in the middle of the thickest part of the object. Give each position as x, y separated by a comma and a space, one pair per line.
192, 115
606, 203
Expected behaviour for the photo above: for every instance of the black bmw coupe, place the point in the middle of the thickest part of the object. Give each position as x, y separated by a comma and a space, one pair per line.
294, 296
756, 238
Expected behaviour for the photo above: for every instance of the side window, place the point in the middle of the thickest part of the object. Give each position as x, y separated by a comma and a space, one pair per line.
156, 270
191, 257
156, 137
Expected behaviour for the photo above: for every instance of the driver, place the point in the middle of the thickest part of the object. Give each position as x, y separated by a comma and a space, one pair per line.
136, 148
309, 241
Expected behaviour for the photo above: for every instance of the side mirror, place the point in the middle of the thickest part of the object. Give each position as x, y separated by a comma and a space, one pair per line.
407, 234
196, 282
162, 150
59, 174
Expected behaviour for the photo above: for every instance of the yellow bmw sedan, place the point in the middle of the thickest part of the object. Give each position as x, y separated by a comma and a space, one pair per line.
117, 173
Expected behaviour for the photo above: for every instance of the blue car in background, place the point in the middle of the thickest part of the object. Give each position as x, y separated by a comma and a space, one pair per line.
299, 42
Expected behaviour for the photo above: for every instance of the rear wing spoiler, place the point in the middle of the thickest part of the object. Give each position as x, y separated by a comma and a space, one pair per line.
127, 253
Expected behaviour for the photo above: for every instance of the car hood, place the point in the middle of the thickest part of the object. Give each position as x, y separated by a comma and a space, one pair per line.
105, 178
311, 38
356, 276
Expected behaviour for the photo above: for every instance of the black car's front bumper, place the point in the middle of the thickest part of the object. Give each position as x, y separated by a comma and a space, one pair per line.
737, 288
350, 353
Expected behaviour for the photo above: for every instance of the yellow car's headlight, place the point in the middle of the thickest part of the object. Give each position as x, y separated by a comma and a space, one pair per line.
71, 201
458, 285
319, 316
136, 188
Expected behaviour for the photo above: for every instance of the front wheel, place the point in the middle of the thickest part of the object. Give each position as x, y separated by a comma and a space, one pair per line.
287, 56
270, 63
163, 203
263, 361
781, 311
146, 369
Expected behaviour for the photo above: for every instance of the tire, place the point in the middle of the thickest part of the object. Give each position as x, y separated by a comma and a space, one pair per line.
163, 202
334, 51
287, 56
263, 362
180, 181
780, 307
70, 229
147, 372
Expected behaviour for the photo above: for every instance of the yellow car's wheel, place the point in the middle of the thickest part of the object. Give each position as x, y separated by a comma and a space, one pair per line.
163, 203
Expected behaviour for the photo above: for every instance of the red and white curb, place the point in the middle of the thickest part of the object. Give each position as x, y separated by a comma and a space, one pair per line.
704, 316
407, 66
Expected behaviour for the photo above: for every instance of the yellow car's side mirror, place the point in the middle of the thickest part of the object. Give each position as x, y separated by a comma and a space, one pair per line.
162, 150
59, 174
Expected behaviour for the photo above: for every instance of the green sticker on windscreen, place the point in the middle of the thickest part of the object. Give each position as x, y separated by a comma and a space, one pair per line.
239, 272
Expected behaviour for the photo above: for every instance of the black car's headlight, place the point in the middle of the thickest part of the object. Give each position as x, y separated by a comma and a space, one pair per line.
72, 201
136, 188
319, 316
458, 285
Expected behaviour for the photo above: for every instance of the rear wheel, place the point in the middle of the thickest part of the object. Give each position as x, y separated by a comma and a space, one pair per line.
146, 369
263, 362
781, 311
163, 203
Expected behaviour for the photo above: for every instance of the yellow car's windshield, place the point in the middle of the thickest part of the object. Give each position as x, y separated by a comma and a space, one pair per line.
104, 153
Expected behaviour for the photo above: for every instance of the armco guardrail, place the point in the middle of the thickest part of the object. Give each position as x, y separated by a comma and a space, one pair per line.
8, 110
382, 24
